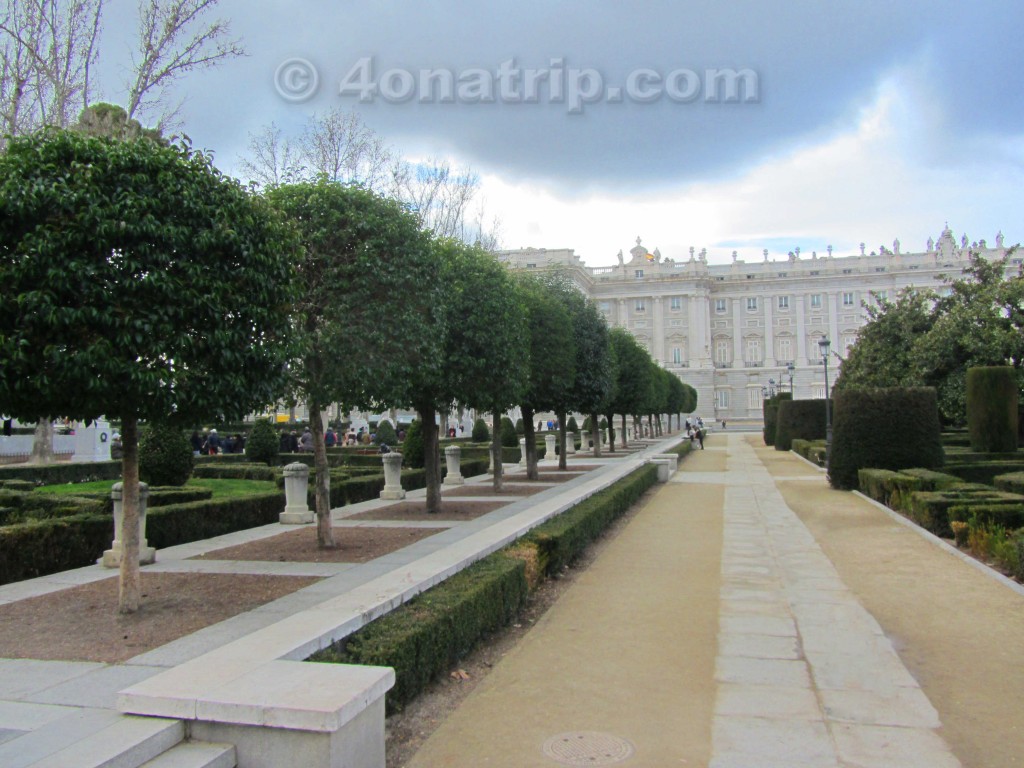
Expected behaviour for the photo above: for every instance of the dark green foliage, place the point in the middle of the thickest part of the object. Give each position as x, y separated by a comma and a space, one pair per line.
1013, 482
63, 472
236, 471
509, 434
520, 428
983, 471
42, 547
876, 484
992, 396
571, 425
883, 428
480, 434
771, 410
803, 419
1008, 513
412, 446
165, 455
263, 444
931, 509
385, 435
424, 637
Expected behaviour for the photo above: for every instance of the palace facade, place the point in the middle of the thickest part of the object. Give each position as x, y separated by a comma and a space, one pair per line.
733, 331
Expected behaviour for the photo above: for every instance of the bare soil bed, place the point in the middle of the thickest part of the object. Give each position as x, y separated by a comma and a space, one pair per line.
417, 510
508, 489
82, 623
355, 545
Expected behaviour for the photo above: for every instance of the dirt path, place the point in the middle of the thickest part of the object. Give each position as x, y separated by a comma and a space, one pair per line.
960, 633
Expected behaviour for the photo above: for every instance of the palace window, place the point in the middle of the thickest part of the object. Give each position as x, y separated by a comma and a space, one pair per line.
752, 304
785, 350
847, 298
815, 301
722, 398
677, 356
675, 303
753, 351
783, 302
722, 351
638, 306
720, 305
638, 273
754, 398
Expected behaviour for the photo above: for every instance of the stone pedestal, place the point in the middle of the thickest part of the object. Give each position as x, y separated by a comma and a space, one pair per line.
147, 554
452, 460
671, 458
392, 476
664, 469
549, 448
296, 495
522, 451
570, 444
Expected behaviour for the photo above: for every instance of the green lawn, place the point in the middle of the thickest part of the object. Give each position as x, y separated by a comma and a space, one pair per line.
221, 488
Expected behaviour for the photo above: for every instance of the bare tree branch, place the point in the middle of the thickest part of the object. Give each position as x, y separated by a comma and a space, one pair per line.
173, 40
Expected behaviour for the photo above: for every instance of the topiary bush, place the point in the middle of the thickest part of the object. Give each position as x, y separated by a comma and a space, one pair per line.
480, 434
992, 395
509, 436
520, 429
570, 425
412, 447
799, 419
385, 434
165, 455
886, 428
771, 409
263, 445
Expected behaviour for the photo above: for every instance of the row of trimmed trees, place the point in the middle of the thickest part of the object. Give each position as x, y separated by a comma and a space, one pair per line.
144, 285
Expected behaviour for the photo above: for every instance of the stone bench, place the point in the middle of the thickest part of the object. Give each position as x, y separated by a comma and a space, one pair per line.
278, 712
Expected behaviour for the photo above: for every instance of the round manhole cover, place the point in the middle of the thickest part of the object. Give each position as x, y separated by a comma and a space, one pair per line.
587, 748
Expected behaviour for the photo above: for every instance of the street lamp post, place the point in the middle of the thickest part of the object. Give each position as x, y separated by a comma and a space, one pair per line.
790, 368
824, 345
771, 387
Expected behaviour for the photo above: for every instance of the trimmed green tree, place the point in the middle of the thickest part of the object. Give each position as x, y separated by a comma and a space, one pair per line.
144, 285
480, 433
366, 312
771, 411
165, 455
799, 419
264, 444
633, 381
885, 428
992, 397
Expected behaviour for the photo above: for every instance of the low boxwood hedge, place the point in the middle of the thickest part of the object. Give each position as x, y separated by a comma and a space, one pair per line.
1013, 482
63, 472
236, 471
1010, 515
983, 471
40, 547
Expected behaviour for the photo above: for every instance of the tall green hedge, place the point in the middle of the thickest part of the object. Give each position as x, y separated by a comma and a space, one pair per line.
992, 395
886, 428
771, 411
799, 419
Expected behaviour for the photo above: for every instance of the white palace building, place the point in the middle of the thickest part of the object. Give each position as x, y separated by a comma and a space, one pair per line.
732, 331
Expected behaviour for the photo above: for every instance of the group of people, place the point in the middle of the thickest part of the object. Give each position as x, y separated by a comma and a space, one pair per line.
695, 431
211, 443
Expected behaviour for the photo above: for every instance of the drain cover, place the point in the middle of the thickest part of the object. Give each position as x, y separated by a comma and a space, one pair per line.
587, 748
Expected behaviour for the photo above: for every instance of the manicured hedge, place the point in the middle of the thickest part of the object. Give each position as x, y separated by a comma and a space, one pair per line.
992, 394
799, 419
237, 471
812, 450
889, 428
984, 471
181, 523
1010, 515
424, 637
771, 410
1012, 482
63, 472
22, 507
42, 547
930, 509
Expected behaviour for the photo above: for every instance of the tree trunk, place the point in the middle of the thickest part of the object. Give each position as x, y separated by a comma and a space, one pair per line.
562, 464
129, 584
496, 450
431, 458
530, 446
610, 418
624, 428
595, 434
650, 424
324, 531
42, 443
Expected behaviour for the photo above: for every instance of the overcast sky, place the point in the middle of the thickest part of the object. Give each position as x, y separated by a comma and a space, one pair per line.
857, 120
